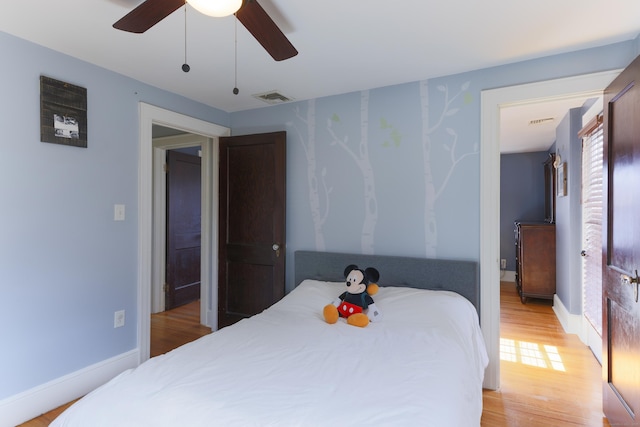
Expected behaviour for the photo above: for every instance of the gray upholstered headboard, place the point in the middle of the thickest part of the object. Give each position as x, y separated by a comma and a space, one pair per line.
425, 273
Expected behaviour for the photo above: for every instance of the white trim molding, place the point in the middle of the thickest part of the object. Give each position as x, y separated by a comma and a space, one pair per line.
571, 323
150, 115
34, 402
579, 325
508, 276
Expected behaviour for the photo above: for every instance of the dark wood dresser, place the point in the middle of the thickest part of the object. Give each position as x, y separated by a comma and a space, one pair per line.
535, 260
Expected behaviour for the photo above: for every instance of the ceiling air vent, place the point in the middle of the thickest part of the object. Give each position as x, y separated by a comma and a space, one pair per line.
273, 97
540, 121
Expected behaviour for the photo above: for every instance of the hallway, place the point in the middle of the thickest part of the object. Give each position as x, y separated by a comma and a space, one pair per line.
548, 378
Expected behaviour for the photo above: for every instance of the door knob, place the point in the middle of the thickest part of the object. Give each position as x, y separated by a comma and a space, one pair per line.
276, 248
629, 280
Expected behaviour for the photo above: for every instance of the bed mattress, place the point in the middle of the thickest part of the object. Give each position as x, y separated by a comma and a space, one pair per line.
422, 364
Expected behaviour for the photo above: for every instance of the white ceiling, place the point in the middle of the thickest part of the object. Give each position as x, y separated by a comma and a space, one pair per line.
532, 127
344, 46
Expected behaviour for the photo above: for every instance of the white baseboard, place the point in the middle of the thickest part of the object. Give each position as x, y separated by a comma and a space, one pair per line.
594, 341
579, 325
32, 403
571, 323
212, 319
507, 276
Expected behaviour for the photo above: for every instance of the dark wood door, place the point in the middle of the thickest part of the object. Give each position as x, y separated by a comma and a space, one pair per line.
252, 225
621, 248
183, 229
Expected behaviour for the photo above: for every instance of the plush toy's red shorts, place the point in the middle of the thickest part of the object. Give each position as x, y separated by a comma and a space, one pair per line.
347, 309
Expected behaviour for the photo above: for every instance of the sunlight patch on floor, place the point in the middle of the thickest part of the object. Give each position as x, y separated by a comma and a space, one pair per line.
532, 354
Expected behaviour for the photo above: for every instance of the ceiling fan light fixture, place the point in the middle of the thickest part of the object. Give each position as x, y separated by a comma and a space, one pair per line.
216, 8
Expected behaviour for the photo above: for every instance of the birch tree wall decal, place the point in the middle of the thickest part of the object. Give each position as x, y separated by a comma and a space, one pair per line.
361, 158
451, 147
431, 192
315, 197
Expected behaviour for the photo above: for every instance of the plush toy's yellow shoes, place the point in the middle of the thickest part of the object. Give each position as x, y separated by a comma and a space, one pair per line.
372, 289
358, 319
330, 313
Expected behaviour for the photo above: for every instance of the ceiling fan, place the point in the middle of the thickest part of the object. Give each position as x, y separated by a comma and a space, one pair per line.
250, 14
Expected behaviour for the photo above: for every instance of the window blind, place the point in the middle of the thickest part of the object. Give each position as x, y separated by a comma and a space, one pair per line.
592, 169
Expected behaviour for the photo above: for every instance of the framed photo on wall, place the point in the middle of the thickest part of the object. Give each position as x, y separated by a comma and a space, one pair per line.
561, 180
63, 113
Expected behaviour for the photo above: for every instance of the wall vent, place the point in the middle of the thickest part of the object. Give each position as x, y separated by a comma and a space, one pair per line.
540, 121
273, 97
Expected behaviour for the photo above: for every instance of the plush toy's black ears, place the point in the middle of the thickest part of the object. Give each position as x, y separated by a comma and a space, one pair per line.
349, 269
372, 274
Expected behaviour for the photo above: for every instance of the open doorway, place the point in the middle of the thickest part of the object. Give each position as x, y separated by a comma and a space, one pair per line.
522, 193
168, 142
492, 101
150, 115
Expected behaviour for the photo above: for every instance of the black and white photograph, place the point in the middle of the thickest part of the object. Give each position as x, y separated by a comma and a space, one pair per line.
65, 126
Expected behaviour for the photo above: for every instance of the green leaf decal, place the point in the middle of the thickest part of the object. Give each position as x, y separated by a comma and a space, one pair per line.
396, 137
468, 98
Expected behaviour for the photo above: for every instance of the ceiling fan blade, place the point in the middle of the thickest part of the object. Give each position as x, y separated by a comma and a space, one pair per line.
147, 14
262, 27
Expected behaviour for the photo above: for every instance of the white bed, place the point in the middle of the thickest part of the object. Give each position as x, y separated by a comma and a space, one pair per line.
422, 364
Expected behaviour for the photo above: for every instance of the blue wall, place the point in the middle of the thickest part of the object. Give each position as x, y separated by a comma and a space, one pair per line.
390, 170
421, 140
521, 197
336, 144
65, 265
569, 214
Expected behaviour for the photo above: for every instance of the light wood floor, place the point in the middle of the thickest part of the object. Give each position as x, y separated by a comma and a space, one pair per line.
567, 392
172, 328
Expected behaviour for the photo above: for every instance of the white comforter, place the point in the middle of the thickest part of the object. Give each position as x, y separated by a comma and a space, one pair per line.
421, 365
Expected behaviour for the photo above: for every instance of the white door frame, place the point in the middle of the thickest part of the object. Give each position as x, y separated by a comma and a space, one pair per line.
491, 102
150, 115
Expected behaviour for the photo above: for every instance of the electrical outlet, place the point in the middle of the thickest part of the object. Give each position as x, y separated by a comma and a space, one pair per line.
503, 264
118, 319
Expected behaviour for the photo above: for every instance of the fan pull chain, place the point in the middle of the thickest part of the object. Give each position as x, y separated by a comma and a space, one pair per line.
235, 29
185, 66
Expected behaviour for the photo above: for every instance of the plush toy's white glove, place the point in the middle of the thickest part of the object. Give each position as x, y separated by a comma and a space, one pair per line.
337, 302
373, 313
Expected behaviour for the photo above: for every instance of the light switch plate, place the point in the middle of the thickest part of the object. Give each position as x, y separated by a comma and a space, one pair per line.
118, 212
118, 319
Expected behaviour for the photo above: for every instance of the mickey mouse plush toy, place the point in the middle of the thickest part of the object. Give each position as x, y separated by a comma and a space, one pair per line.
356, 304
